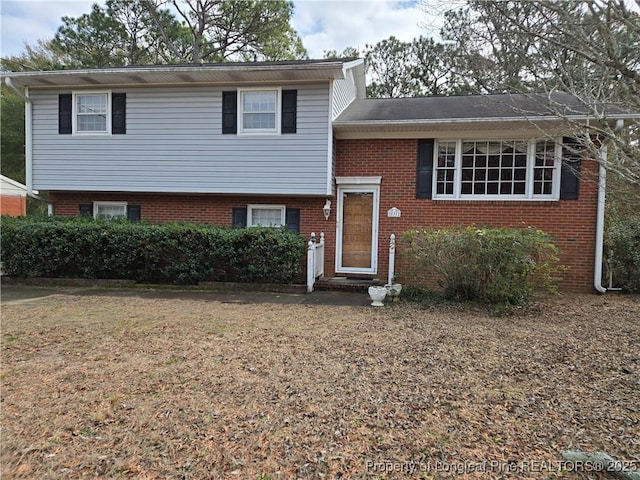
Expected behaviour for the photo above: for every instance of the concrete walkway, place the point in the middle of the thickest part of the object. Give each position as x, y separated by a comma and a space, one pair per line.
12, 294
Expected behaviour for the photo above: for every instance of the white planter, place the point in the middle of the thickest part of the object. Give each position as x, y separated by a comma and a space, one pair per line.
377, 294
393, 290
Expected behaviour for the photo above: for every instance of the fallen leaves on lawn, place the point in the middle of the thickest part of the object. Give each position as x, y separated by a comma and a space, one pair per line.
127, 387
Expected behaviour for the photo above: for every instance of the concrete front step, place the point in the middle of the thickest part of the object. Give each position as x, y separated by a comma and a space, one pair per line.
346, 284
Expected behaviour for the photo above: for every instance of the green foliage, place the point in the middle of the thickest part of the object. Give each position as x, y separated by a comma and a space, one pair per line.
12, 135
624, 252
174, 253
489, 265
405, 69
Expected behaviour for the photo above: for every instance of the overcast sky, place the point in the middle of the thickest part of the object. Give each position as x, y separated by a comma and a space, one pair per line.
322, 24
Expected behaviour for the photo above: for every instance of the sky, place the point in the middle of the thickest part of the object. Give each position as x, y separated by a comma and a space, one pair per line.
322, 24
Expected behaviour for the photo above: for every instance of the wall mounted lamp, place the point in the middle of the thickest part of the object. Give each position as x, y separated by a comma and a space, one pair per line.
327, 209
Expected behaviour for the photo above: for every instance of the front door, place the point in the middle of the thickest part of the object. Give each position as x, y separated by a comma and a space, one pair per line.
357, 229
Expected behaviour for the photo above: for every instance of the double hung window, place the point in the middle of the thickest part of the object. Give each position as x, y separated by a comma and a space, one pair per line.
92, 113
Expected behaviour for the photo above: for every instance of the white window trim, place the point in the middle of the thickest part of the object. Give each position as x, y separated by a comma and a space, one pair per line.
252, 207
528, 196
97, 204
262, 131
74, 111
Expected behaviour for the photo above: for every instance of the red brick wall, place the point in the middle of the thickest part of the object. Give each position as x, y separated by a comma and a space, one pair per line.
13, 205
571, 222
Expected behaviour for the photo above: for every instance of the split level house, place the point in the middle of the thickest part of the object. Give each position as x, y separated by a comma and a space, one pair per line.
284, 143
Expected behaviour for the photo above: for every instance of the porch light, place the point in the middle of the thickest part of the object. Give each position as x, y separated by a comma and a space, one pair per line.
327, 209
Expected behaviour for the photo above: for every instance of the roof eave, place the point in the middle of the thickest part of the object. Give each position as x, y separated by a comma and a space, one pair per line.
178, 74
427, 122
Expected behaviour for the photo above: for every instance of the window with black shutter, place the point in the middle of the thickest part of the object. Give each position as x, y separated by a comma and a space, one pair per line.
424, 176
119, 113
570, 173
289, 111
230, 112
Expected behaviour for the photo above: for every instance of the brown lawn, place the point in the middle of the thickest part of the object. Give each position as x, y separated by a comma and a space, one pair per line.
126, 387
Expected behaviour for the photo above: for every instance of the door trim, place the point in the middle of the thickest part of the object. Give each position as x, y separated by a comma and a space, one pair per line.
358, 185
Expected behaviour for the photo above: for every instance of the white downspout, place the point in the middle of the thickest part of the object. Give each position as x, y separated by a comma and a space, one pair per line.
28, 142
602, 189
602, 185
28, 155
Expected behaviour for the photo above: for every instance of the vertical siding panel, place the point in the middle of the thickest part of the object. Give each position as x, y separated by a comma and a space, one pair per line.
344, 92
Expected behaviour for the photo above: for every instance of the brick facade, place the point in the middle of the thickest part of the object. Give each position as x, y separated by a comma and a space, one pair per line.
15, 205
571, 222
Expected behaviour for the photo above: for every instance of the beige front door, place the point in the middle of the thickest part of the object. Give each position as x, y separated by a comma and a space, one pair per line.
357, 228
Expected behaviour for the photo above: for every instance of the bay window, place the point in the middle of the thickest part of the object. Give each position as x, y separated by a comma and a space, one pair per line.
497, 169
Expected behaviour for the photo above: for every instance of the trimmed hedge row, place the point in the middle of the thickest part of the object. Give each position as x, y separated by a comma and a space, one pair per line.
489, 265
168, 253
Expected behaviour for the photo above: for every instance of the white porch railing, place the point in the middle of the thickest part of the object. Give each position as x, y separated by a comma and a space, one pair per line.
315, 260
392, 259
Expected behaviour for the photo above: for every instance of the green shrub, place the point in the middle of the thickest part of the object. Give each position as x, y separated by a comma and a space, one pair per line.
489, 265
624, 252
175, 253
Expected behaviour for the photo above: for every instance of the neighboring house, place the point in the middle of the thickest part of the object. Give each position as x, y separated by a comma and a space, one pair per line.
13, 197
269, 143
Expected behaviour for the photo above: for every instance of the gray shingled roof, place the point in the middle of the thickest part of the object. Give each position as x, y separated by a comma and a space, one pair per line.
467, 107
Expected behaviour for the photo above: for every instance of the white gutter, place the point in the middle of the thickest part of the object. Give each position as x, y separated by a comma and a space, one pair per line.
438, 121
28, 145
10, 84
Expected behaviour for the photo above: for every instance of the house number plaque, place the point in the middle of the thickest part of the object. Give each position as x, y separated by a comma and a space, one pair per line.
394, 213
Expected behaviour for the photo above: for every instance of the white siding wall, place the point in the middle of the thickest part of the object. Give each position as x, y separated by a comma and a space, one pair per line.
344, 92
174, 144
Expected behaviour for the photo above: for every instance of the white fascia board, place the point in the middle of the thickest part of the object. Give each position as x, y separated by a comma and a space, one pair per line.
13, 183
359, 76
58, 78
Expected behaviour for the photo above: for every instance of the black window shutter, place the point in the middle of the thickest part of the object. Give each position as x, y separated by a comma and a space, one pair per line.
570, 172
240, 216
85, 210
133, 213
118, 113
424, 174
289, 111
292, 219
64, 113
230, 112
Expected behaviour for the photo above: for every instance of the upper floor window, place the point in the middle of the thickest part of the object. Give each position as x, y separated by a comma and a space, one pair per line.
497, 169
259, 111
92, 112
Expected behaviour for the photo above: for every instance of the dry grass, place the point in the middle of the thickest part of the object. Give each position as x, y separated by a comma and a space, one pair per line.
138, 388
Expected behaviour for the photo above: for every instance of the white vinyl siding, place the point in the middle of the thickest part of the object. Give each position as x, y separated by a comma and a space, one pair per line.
497, 169
174, 144
344, 92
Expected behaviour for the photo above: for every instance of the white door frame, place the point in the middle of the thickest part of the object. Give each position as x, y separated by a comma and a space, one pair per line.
358, 185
